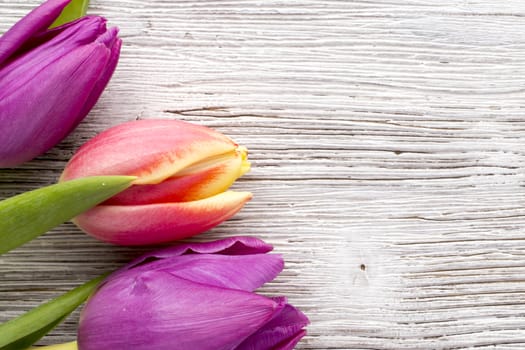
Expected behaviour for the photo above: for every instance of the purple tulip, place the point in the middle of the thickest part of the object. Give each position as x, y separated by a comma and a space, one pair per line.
193, 296
50, 78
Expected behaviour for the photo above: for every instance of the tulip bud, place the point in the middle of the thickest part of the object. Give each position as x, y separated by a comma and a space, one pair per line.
193, 296
50, 78
183, 172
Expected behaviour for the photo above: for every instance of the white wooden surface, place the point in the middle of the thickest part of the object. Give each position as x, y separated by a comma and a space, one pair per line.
387, 140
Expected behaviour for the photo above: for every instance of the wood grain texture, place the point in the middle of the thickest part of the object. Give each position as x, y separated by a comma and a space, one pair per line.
388, 161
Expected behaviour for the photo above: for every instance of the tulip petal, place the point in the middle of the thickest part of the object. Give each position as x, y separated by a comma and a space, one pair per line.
173, 189
159, 223
189, 185
59, 91
21, 71
43, 37
240, 245
243, 272
34, 22
161, 148
156, 310
114, 44
67, 38
282, 332
236, 262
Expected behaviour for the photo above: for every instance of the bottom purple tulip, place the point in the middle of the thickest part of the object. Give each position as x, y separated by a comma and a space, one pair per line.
193, 296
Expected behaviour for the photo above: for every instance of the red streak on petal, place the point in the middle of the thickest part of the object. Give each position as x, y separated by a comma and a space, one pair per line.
205, 183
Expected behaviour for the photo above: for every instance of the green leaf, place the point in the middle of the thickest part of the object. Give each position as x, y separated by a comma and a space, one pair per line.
75, 9
25, 330
32, 213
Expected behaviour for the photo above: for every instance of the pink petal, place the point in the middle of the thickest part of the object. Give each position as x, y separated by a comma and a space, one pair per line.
159, 223
153, 150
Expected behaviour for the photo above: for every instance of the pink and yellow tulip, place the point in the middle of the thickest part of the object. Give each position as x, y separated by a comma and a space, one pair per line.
183, 174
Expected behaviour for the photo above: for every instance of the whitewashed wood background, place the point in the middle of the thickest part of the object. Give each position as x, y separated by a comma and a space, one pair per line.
387, 140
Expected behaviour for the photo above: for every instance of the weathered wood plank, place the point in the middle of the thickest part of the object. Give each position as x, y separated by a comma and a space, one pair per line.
387, 147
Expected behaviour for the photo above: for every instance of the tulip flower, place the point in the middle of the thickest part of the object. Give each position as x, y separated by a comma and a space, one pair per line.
193, 296
183, 172
50, 78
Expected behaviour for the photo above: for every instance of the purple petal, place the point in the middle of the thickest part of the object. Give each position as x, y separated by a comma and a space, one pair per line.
34, 22
196, 262
49, 34
243, 272
282, 332
240, 245
20, 71
38, 114
159, 311
114, 44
